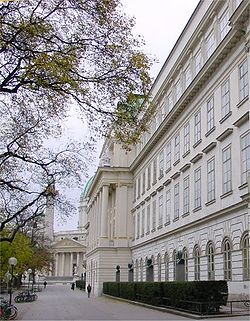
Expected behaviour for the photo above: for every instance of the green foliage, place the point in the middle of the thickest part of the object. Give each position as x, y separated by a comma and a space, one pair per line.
21, 249
173, 294
80, 284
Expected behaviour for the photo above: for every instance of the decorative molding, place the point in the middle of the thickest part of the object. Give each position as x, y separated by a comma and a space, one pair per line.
225, 134
209, 147
196, 158
185, 167
175, 175
160, 188
167, 182
242, 120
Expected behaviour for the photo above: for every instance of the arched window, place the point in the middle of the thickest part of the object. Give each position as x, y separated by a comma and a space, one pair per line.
185, 257
196, 263
166, 262
245, 257
227, 264
210, 261
174, 264
159, 266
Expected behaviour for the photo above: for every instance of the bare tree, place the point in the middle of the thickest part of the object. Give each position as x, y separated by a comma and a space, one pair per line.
55, 53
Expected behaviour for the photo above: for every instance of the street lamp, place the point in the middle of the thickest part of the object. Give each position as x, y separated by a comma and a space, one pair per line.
29, 271
12, 263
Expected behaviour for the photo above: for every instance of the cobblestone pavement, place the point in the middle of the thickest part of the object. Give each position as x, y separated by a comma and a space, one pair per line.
59, 302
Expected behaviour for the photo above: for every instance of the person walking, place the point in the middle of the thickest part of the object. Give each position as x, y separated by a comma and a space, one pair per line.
44, 284
73, 286
89, 290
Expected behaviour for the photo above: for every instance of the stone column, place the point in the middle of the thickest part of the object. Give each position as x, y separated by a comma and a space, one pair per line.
62, 264
104, 213
71, 264
77, 262
56, 257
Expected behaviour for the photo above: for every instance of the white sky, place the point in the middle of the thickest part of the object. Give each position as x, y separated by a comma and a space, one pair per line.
160, 22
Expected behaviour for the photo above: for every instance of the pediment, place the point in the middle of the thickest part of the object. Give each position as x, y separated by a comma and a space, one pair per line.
68, 243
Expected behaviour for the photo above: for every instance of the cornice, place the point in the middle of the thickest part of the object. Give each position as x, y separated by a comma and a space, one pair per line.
198, 82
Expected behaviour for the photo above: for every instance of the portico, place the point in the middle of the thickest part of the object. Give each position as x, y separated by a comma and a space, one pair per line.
69, 258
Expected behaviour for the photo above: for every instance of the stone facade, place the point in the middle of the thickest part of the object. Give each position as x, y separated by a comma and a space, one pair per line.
182, 194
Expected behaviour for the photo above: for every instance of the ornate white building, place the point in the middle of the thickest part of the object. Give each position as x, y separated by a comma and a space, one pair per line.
68, 247
182, 194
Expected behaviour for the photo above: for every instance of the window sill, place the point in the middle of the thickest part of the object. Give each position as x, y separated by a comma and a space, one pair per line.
176, 219
153, 230
185, 214
197, 209
186, 153
225, 117
242, 186
159, 227
168, 170
242, 102
210, 202
197, 143
160, 177
226, 194
147, 233
210, 131
176, 162
167, 223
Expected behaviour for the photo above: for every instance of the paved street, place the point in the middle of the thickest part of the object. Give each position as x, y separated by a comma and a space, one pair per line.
59, 302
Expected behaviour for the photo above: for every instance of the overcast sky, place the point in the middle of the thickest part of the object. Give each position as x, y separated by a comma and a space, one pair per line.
160, 22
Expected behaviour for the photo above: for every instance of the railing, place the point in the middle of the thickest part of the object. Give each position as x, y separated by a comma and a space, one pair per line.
201, 308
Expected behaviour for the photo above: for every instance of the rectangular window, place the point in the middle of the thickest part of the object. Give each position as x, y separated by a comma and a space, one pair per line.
197, 188
177, 147
160, 210
178, 89
138, 225
186, 138
161, 164
224, 27
197, 127
138, 187
198, 62
142, 222
149, 176
143, 182
148, 219
168, 156
170, 101
134, 190
226, 170
134, 227
211, 179
186, 195
168, 205
210, 44
187, 77
210, 114
176, 201
154, 215
225, 98
243, 85
245, 157
154, 170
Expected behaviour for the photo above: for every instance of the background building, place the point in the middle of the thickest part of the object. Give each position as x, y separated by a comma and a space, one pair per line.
177, 206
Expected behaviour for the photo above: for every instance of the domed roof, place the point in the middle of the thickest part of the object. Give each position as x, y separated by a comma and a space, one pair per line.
87, 187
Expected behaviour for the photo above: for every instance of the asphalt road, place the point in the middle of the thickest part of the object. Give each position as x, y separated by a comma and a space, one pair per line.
59, 302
